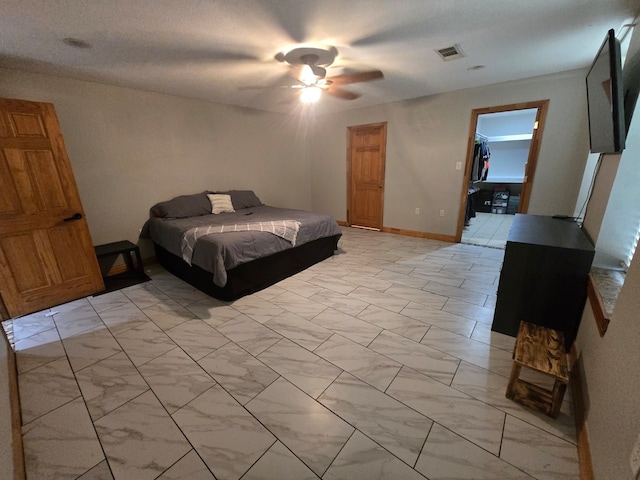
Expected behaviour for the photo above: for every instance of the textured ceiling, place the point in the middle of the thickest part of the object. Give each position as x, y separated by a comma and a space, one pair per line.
207, 49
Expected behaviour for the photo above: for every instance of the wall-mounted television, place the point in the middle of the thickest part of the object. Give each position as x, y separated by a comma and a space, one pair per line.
605, 99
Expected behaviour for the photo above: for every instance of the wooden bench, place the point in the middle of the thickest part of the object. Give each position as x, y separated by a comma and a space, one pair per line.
541, 349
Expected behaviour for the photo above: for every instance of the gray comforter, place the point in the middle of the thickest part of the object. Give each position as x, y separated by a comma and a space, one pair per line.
219, 252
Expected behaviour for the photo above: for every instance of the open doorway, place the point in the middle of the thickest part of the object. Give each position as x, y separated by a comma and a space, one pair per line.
502, 154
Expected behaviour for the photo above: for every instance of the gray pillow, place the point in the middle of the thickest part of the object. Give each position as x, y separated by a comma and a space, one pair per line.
243, 199
183, 206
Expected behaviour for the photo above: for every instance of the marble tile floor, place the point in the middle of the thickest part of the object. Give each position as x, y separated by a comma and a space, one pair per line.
377, 363
489, 229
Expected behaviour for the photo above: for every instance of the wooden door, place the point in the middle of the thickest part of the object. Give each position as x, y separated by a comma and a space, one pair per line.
46, 252
365, 172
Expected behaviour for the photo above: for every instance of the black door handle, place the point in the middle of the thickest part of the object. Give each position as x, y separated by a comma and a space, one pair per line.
75, 216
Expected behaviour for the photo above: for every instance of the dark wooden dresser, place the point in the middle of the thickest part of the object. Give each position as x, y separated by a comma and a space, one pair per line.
544, 276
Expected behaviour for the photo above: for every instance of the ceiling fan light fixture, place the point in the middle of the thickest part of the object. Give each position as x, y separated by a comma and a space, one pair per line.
308, 55
319, 72
307, 76
308, 69
310, 94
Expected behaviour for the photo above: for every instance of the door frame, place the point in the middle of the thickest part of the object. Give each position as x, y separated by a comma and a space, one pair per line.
532, 160
350, 132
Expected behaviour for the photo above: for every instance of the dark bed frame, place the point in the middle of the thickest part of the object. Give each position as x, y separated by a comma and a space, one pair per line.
253, 276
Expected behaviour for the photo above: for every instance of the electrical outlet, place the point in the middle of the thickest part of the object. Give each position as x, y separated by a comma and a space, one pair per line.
634, 458
417, 211
458, 165
442, 213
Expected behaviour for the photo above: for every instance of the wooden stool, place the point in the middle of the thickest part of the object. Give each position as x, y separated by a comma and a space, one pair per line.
541, 349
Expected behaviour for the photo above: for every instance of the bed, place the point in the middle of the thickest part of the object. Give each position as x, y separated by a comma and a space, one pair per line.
230, 244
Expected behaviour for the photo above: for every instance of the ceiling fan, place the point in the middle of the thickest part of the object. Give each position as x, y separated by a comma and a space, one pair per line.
308, 68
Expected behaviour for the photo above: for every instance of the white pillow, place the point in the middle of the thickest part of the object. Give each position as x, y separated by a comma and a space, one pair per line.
220, 203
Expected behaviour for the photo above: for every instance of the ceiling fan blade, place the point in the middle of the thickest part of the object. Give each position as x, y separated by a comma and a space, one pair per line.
348, 78
342, 93
318, 71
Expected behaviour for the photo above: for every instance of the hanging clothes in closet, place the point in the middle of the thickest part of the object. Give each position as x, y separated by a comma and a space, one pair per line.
481, 156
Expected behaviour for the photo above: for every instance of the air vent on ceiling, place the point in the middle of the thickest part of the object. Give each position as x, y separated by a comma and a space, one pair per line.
450, 53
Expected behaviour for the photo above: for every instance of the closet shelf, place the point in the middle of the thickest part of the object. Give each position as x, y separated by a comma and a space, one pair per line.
511, 138
491, 179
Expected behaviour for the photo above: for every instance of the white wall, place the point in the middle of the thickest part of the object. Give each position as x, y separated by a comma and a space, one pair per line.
508, 161
130, 149
427, 136
611, 380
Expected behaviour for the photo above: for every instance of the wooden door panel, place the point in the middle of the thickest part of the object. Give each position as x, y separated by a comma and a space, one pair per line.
35, 179
19, 175
367, 208
27, 124
366, 165
6, 130
21, 263
69, 264
44, 270
54, 252
44, 260
9, 199
45, 179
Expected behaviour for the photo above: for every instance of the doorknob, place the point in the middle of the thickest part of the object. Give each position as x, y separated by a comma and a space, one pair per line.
75, 216
380, 186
